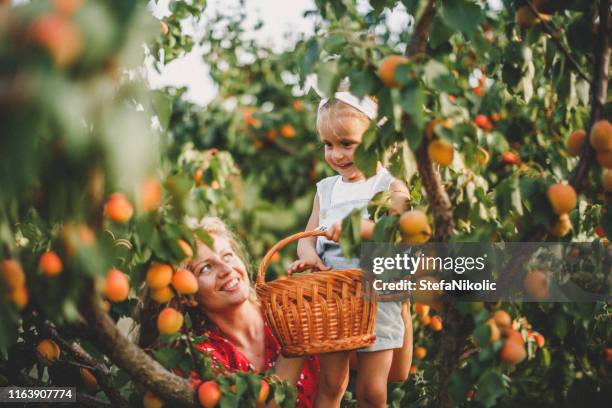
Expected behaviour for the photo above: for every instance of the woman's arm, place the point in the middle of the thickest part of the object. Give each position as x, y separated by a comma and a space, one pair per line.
402, 357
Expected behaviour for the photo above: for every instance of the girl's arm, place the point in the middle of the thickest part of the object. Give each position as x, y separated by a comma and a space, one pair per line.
402, 357
306, 248
399, 196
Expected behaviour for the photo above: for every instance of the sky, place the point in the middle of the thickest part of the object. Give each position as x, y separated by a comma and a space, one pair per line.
279, 17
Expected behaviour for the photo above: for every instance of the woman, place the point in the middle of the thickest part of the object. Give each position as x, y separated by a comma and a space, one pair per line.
237, 335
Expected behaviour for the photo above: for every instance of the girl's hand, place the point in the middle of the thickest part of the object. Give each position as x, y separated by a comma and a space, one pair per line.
307, 263
333, 233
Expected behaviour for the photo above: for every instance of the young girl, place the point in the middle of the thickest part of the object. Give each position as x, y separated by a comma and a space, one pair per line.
341, 124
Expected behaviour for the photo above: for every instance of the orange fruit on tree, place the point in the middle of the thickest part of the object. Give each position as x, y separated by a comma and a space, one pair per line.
511, 158
425, 320
431, 126
59, 36
575, 142
117, 286
184, 282
162, 295
150, 195
89, 380
562, 198
441, 152
495, 334
502, 319
483, 122
414, 226
264, 391
186, 248
606, 181
50, 264
118, 208
159, 275
436, 323
601, 136
387, 68
539, 339
67, 7
562, 226
20, 297
287, 131
413, 369
75, 236
12, 274
420, 352
47, 351
151, 400
421, 309
197, 176
271, 134
605, 159
298, 105
209, 394
169, 321
512, 352
536, 284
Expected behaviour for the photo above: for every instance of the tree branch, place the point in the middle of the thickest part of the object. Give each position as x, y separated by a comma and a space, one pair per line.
131, 358
599, 89
555, 37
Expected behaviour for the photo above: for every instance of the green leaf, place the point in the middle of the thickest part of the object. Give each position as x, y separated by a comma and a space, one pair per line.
334, 43
328, 77
482, 333
366, 160
412, 101
439, 78
311, 56
167, 357
606, 221
162, 106
490, 388
462, 15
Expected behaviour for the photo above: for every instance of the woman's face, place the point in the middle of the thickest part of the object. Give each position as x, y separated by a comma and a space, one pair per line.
223, 281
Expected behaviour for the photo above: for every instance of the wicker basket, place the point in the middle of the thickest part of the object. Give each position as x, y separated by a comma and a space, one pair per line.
317, 312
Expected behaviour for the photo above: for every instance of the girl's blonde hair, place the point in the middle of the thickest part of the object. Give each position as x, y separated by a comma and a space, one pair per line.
339, 118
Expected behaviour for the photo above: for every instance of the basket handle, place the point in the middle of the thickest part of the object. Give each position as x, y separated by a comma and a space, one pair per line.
261, 273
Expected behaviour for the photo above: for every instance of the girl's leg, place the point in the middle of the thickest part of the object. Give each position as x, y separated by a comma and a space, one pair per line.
333, 379
371, 387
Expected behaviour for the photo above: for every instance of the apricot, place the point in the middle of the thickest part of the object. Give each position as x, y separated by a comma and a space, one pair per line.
511, 158
495, 334
271, 134
575, 142
414, 222
209, 394
50, 264
264, 391
562, 226
413, 369
421, 309
249, 119
562, 198
502, 319
151, 400
67, 7
425, 320
75, 236
89, 380
47, 351
512, 352
431, 126
162, 295
539, 339
526, 18
536, 284
387, 67
605, 159
441, 152
184, 282
197, 176
12, 274
117, 286
420, 352
606, 181
483, 122
512, 335
287, 131
20, 297
150, 195
436, 323
298, 105
608, 354
601, 136
186, 248
60, 36
159, 275
118, 208
169, 321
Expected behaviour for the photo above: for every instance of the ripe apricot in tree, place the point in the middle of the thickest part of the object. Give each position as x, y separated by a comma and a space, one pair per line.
512, 352
562, 226
512, 335
287, 131
562, 198
436, 323
209, 394
184, 282
414, 223
606, 181
387, 67
159, 275
511, 158
151, 400
162, 295
50, 264
483, 122
186, 248
575, 141
431, 126
539, 339
601, 136
420, 352
502, 319
605, 159
169, 321
117, 286
12, 274
536, 284
421, 309
20, 297
425, 320
441, 152
118, 208
150, 194
60, 36
47, 351
494, 330
89, 380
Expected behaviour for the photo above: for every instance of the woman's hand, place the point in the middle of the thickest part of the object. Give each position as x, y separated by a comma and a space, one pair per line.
311, 262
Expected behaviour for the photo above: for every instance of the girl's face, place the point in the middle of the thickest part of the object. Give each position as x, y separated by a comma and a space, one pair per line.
223, 281
340, 150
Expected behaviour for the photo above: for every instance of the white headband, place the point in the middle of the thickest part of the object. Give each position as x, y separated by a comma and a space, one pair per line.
365, 105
